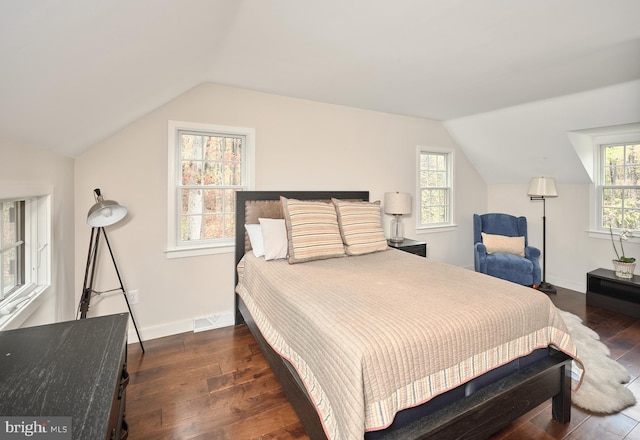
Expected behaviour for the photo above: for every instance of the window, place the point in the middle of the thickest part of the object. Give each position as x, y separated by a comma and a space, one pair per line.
11, 247
620, 185
24, 252
435, 187
208, 164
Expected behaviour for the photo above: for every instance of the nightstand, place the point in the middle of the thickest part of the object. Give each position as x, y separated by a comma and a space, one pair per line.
411, 246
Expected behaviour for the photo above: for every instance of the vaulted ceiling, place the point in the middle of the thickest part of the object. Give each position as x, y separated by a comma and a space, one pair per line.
72, 72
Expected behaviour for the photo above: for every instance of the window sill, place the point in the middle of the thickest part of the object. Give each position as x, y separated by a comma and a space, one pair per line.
432, 229
24, 309
198, 251
606, 235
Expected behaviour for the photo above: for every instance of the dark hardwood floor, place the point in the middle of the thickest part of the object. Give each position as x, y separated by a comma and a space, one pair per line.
217, 385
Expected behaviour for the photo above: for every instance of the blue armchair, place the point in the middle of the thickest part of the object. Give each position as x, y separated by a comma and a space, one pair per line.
523, 270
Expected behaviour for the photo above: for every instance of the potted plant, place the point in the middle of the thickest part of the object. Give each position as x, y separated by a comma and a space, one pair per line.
624, 266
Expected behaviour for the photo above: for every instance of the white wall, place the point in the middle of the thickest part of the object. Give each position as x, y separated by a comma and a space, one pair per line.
300, 145
513, 144
571, 252
25, 167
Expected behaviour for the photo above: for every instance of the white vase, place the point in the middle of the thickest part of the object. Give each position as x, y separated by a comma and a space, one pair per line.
624, 270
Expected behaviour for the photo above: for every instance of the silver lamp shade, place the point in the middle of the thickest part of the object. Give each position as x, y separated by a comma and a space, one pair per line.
105, 212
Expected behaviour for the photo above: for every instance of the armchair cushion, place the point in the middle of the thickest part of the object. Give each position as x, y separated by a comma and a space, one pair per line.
502, 244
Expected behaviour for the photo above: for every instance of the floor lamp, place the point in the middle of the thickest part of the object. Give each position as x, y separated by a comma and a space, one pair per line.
542, 188
103, 213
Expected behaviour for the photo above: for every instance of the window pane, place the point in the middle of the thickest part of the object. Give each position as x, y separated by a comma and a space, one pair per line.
232, 174
213, 226
612, 218
191, 173
424, 175
612, 198
9, 272
191, 227
614, 155
631, 173
12, 246
192, 201
230, 200
233, 150
191, 146
213, 201
9, 226
614, 175
213, 173
633, 154
215, 148
632, 219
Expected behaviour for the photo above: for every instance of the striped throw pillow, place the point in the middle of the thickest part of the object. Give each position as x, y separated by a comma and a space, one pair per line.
360, 226
312, 230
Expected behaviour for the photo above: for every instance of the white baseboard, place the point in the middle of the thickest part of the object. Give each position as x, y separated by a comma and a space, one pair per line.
568, 284
176, 327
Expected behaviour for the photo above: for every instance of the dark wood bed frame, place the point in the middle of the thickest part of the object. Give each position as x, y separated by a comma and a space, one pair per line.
474, 417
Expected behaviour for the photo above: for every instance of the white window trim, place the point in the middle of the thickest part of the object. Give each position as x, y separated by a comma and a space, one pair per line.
21, 304
173, 250
443, 227
595, 192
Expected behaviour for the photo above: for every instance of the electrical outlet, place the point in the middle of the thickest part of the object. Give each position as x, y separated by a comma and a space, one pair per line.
132, 296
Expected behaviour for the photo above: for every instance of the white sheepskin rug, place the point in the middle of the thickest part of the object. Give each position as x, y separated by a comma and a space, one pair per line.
602, 390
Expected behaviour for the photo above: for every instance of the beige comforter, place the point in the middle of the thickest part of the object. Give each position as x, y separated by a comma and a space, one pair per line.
371, 335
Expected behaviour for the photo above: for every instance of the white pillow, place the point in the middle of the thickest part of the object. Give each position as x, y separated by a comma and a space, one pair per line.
255, 237
501, 244
274, 235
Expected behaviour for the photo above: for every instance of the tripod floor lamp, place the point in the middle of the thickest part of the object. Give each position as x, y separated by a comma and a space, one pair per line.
103, 213
542, 188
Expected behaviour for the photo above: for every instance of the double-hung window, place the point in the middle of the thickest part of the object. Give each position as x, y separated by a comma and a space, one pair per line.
208, 165
435, 187
619, 184
25, 252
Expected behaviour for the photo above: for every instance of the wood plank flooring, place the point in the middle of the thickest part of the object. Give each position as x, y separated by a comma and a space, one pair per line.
217, 385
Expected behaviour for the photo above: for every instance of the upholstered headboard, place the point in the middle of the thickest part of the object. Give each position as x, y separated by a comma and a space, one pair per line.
251, 205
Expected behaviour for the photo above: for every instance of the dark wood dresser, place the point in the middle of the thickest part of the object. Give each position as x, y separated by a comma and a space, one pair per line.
72, 369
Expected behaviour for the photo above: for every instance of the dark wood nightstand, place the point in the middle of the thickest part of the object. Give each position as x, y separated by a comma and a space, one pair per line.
609, 292
411, 246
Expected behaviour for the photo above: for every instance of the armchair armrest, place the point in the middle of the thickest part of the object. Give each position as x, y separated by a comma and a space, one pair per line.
533, 254
480, 257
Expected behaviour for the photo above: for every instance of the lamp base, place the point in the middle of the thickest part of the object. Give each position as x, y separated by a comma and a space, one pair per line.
547, 288
397, 229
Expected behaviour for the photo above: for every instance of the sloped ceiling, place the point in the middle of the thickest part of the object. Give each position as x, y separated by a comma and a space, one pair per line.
72, 72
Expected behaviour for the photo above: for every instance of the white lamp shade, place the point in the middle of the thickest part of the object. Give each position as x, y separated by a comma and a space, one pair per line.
397, 203
105, 212
542, 187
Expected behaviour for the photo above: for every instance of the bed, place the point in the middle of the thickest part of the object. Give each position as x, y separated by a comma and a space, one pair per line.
459, 401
